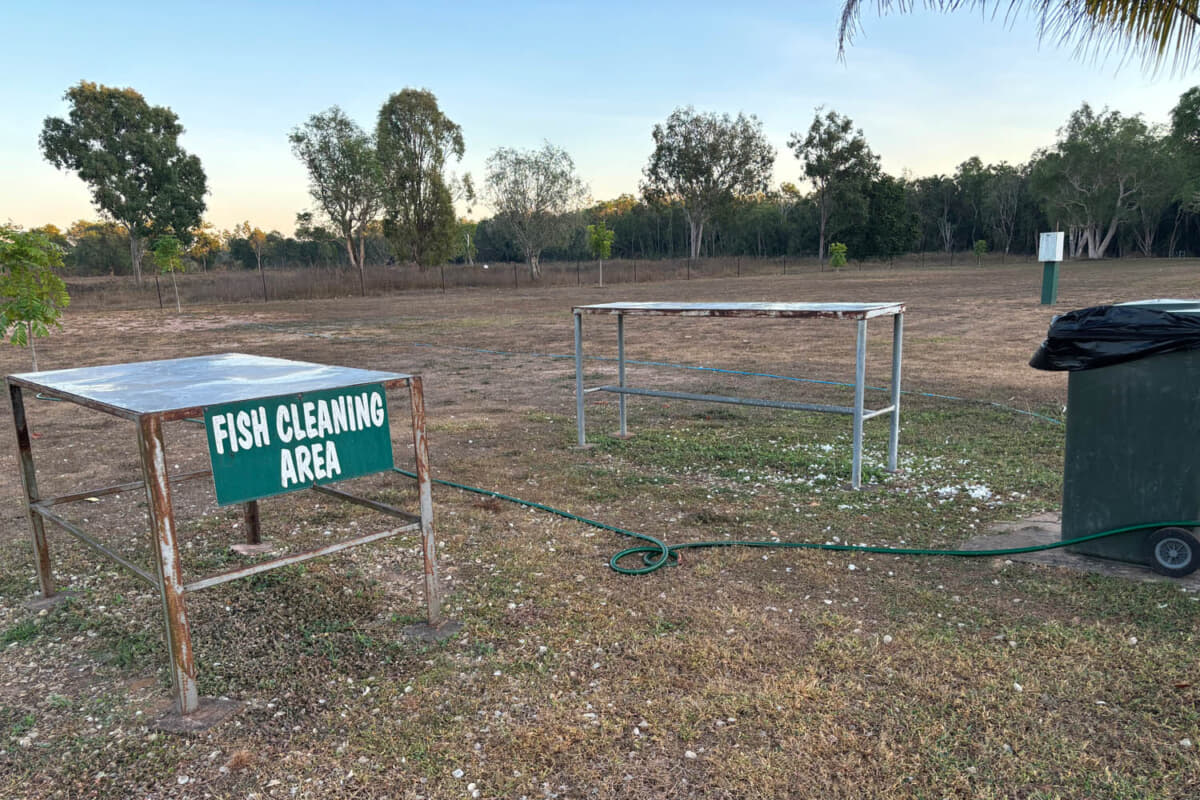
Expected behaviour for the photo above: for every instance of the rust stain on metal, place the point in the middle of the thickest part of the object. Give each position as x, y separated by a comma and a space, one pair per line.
121, 487
253, 527
293, 558
433, 597
41, 549
151, 393
171, 588
365, 502
99, 547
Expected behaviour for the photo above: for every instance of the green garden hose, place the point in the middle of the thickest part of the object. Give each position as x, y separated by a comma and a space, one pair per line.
656, 553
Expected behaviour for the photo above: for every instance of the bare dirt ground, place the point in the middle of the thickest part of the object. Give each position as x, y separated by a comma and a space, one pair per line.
739, 674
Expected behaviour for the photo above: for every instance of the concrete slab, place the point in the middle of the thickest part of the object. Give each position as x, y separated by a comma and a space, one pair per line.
1047, 528
427, 633
212, 711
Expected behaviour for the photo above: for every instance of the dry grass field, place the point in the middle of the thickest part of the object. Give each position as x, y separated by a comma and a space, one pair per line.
739, 673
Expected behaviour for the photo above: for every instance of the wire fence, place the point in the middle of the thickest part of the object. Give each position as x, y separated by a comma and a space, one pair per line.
251, 286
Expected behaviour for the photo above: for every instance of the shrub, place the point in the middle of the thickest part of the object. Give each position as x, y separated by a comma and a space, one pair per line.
837, 255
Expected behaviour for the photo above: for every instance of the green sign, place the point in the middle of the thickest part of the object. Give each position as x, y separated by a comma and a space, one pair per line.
260, 448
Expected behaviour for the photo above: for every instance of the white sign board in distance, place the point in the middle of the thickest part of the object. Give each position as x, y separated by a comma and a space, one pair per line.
1050, 247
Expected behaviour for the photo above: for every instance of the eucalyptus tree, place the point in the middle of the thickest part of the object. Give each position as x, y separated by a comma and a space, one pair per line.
939, 208
1185, 124
890, 228
1184, 143
415, 140
168, 256
1095, 176
128, 153
205, 244
1164, 178
97, 248
840, 166
705, 160
256, 240
343, 177
1003, 194
972, 178
534, 194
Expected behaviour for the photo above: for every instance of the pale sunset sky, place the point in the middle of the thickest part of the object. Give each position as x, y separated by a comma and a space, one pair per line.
928, 90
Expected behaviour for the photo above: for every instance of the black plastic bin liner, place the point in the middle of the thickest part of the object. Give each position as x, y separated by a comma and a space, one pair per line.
1104, 335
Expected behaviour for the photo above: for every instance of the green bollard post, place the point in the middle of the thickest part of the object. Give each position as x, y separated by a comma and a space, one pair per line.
1049, 283
1050, 253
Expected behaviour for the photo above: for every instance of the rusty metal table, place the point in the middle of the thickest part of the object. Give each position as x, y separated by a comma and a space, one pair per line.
859, 312
153, 392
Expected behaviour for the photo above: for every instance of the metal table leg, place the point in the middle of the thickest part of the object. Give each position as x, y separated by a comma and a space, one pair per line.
166, 562
579, 419
253, 526
433, 593
624, 432
860, 382
41, 551
897, 350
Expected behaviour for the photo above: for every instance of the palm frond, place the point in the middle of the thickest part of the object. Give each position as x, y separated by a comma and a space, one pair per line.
1158, 32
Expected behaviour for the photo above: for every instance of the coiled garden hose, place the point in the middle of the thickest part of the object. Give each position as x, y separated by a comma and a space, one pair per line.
656, 553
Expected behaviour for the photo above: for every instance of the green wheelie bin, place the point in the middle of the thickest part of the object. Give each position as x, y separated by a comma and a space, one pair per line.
1133, 429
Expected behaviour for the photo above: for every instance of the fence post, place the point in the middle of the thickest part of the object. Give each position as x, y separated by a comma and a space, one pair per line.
515, 286
739, 263
689, 268
442, 270
785, 264
578, 279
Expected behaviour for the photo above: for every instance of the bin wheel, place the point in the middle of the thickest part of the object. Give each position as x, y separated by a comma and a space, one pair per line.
1173, 552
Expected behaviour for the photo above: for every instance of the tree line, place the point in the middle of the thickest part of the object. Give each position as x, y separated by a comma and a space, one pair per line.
1115, 183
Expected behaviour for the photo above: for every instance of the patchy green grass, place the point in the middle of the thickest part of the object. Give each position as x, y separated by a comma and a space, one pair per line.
21, 632
741, 673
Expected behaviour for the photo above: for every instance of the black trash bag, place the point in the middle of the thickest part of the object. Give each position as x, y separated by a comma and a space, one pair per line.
1101, 336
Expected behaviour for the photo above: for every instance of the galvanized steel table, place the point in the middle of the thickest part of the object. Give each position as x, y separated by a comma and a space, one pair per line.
153, 392
859, 312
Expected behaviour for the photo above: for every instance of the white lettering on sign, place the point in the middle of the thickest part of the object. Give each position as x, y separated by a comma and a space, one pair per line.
315, 419
303, 436
338, 413
310, 421
376, 410
307, 463
241, 431
324, 424
362, 409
